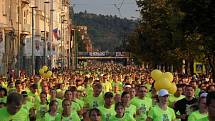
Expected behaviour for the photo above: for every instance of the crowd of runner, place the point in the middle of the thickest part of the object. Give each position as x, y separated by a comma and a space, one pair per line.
105, 92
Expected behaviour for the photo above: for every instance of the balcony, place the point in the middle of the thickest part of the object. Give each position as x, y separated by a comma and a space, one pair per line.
26, 28
26, 1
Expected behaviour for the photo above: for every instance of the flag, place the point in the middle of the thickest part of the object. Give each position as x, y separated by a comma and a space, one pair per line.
56, 33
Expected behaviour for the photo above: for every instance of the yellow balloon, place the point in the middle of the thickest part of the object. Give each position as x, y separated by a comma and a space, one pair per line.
41, 71
45, 68
168, 75
49, 74
173, 88
163, 83
156, 74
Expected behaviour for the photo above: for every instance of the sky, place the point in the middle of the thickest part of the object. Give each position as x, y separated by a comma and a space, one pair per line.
108, 7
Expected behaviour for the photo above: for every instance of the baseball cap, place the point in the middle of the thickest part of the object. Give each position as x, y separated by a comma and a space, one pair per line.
163, 92
204, 94
127, 85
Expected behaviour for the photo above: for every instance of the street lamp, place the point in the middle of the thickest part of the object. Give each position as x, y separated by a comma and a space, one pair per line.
62, 39
33, 66
44, 54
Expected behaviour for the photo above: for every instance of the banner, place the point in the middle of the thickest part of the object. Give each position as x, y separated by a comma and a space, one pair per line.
38, 46
27, 47
104, 54
49, 48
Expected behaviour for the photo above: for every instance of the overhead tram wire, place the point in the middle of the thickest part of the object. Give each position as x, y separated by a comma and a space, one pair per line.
118, 6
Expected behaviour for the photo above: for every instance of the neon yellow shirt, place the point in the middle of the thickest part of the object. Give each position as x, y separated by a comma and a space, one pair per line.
3, 99
107, 87
131, 110
149, 95
59, 101
107, 113
27, 106
93, 102
49, 117
196, 115
34, 97
4, 84
41, 111
203, 119
73, 117
80, 102
80, 88
157, 114
21, 115
124, 118
173, 99
89, 90
197, 91
74, 107
148, 86
118, 85
143, 106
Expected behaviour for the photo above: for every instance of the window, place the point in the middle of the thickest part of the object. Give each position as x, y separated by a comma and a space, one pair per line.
3, 4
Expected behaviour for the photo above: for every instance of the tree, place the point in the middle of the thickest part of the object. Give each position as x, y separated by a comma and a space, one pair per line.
199, 22
158, 36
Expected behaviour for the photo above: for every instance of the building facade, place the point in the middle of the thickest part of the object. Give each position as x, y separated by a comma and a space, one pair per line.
46, 22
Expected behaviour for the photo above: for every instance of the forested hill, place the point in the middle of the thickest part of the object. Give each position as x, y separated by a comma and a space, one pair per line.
108, 33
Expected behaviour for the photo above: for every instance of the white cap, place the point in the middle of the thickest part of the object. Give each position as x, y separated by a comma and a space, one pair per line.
127, 85
204, 94
163, 92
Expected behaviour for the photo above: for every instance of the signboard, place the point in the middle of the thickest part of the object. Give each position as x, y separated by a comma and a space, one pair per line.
199, 68
104, 54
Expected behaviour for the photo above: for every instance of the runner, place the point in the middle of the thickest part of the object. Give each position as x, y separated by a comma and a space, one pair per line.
107, 110
184, 106
202, 111
95, 115
211, 107
52, 114
13, 110
68, 114
162, 112
120, 114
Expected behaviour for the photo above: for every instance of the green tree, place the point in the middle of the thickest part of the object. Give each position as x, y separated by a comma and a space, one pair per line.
158, 36
105, 30
199, 27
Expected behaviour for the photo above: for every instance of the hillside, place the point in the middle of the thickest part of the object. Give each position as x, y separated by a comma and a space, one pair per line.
107, 32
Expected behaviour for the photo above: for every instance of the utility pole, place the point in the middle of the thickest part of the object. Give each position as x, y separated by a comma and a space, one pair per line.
73, 50
51, 29
18, 53
62, 37
33, 65
44, 54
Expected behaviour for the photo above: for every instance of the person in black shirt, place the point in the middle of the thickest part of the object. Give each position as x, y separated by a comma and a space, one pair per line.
184, 106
